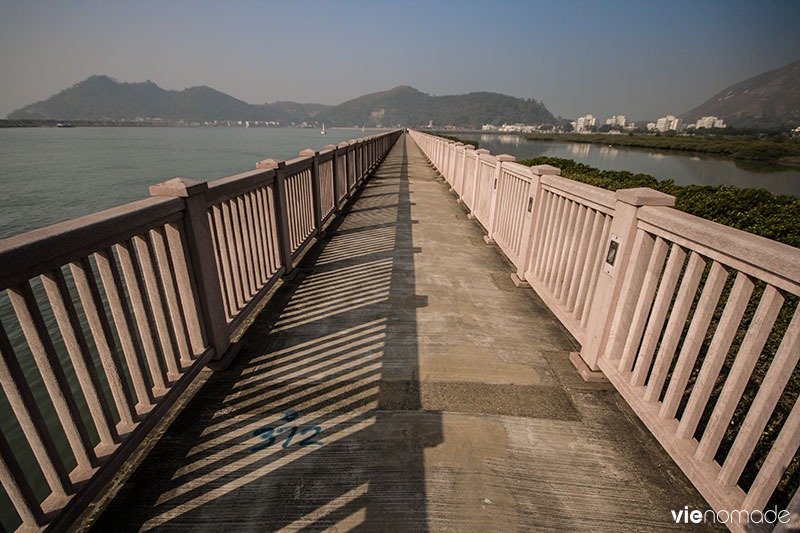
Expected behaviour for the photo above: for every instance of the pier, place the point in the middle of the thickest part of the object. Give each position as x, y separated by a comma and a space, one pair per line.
399, 333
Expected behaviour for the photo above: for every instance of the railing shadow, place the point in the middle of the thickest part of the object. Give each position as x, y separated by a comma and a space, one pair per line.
299, 434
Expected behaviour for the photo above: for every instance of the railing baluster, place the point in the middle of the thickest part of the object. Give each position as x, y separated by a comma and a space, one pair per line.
156, 294
643, 304
187, 288
13, 480
674, 330
124, 325
715, 356
20, 398
89, 295
694, 339
746, 358
769, 392
171, 296
55, 287
53, 377
145, 323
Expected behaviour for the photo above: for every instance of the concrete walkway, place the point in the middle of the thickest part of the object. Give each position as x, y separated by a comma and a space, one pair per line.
403, 383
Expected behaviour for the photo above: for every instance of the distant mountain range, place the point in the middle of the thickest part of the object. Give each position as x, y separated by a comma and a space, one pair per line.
769, 100
104, 98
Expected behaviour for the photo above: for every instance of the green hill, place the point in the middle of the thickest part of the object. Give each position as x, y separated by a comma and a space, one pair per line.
409, 107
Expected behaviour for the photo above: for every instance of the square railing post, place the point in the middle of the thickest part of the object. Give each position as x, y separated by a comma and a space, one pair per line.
615, 266
336, 189
498, 175
281, 215
342, 152
203, 263
308, 152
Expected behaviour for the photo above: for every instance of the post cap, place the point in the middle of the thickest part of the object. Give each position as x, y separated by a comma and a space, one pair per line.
459, 144
343, 144
481, 151
469, 147
640, 196
178, 187
267, 164
308, 152
505, 157
546, 170
329, 147
353, 141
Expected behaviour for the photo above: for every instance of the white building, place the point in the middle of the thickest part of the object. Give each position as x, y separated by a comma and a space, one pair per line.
651, 126
585, 122
670, 122
710, 122
617, 120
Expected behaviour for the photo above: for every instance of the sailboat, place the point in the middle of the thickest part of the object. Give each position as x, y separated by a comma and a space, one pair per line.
323, 132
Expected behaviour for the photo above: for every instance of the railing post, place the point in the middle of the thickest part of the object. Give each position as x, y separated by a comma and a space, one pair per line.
336, 190
282, 215
616, 260
203, 264
532, 208
475, 175
343, 148
498, 174
308, 152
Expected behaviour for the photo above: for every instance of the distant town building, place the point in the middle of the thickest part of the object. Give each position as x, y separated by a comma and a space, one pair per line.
651, 126
617, 120
489, 127
585, 122
519, 127
670, 122
710, 122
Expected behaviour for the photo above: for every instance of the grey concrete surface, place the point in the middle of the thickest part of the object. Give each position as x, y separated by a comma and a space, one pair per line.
402, 383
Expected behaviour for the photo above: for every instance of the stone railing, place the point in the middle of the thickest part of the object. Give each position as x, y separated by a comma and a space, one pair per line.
109, 317
696, 324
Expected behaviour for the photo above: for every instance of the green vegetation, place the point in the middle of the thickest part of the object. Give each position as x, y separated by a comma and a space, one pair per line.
456, 139
750, 148
756, 211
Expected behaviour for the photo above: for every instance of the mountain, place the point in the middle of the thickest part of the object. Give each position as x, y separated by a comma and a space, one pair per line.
409, 107
104, 98
769, 100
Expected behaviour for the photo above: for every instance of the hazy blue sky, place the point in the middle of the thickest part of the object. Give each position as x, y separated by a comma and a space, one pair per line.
639, 58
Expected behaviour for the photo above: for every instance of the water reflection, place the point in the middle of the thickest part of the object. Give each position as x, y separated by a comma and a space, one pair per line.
608, 152
684, 169
580, 150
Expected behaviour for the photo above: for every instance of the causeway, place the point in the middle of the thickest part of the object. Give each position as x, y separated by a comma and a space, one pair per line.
401, 382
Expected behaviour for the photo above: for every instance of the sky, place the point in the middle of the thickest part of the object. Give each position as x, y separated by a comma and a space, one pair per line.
643, 59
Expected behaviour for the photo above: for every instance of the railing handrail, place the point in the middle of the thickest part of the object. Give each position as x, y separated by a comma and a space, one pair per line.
773, 261
31, 253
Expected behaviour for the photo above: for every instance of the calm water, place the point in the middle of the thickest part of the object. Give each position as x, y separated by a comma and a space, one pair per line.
52, 174
683, 169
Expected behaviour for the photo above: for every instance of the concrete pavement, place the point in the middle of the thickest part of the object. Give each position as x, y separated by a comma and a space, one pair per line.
402, 383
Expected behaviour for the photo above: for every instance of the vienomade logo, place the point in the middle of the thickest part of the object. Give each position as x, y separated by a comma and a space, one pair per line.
740, 516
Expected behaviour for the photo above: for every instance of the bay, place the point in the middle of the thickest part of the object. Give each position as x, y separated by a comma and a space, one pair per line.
48, 175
